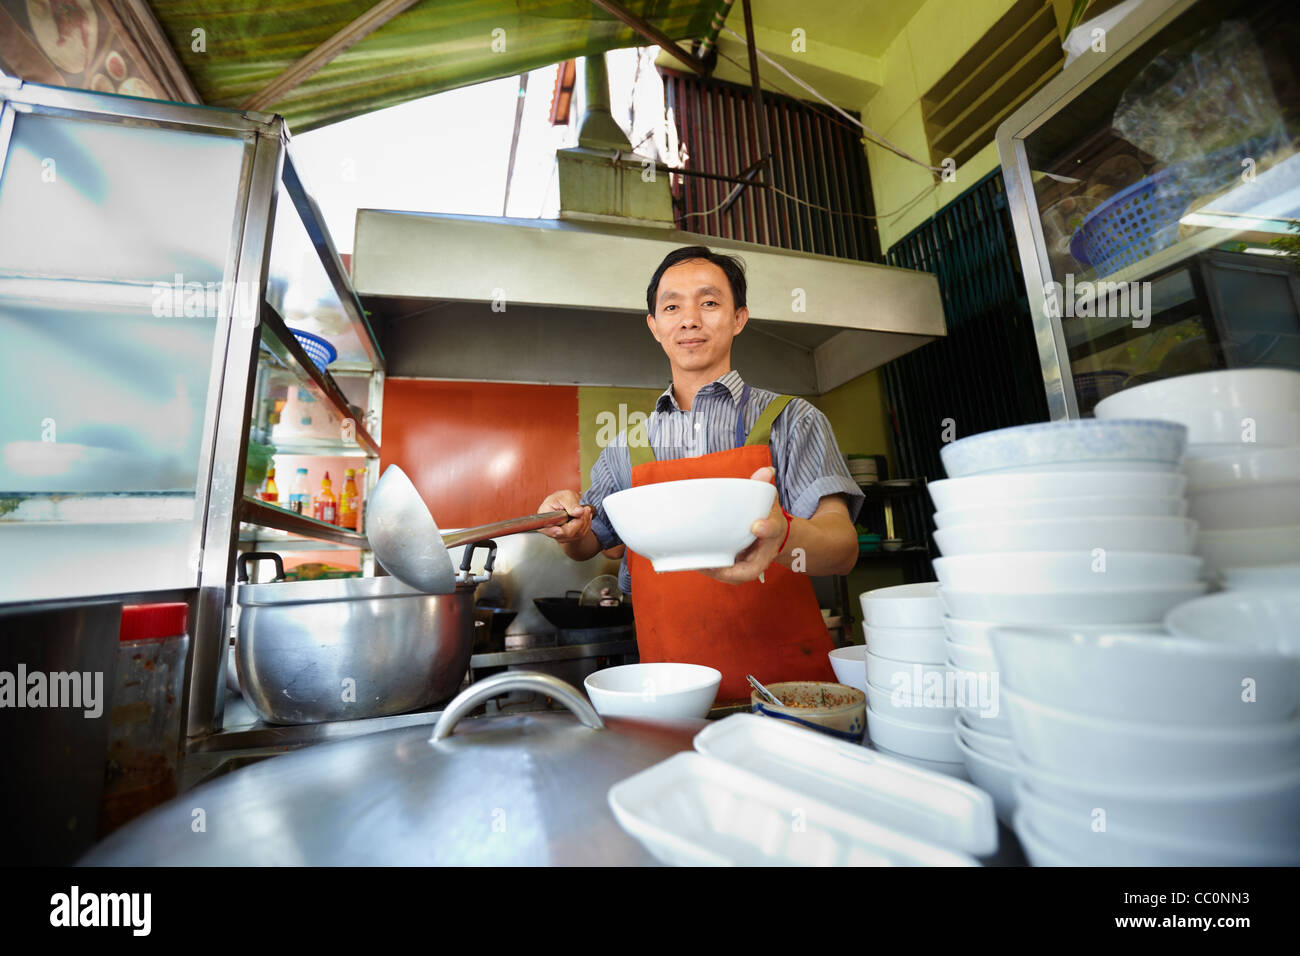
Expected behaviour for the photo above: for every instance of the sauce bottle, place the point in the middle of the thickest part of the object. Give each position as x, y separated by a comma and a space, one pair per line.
348, 501
326, 507
270, 493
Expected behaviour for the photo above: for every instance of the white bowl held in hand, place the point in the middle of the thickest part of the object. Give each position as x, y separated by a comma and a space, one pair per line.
924, 645
1037, 572
656, 691
997, 778
1073, 444
910, 739
904, 605
979, 491
1081, 507
1147, 605
1151, 535
1248, 548
1258, 809
1151, 678
850, 665
1126, 751
691, 524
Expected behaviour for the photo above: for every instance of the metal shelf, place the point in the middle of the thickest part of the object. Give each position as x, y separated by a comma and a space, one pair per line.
318, 446
252, 511
290, 354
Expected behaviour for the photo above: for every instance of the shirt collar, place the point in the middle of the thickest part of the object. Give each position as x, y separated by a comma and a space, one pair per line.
731, 383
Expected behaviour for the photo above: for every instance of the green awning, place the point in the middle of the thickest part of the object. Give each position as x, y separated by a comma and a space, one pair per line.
436, 45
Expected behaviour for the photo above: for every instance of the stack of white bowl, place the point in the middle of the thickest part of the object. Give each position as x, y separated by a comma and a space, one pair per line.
1177, 749
1073, 523
910, 711
1243, 459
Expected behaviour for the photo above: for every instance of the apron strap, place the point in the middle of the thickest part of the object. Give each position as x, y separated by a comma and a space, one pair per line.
761, 433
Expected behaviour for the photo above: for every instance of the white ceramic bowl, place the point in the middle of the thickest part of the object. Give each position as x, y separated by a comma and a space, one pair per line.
1081, 507
1264, 578
654, 691
1264, 618
927, 741
1150, 535
1073, 444
933, 711
850, 665
922, 645
1247, 810
691, 524
978, 491
1038, 850
995, 777
1151, 678
1252, 465
905, 676
955, 768
978, 696
977, 633
1248, 547
967, 658
1246, 504
905, 605
1075, 833
983, 741
1120, 751
1036, 572
1096, 607
1231, 393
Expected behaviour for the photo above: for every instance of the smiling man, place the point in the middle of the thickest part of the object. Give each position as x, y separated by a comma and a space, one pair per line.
759, 616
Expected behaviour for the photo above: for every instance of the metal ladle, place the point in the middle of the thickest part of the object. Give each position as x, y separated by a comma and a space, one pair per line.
406, 541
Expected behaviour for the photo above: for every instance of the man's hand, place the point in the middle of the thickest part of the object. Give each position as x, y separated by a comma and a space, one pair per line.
768, 532
573, 530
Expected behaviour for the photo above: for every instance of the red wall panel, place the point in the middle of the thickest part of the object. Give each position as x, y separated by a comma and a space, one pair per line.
479, 451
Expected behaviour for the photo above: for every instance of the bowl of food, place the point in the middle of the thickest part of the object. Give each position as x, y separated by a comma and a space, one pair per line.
665, 691
691, 524
835, 709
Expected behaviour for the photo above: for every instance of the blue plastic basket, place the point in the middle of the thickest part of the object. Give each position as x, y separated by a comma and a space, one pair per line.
1132, 224
318, 349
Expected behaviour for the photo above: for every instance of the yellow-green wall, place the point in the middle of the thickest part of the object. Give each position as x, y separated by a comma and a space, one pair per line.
596, 403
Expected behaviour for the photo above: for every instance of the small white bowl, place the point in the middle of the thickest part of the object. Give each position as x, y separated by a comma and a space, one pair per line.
995, 777
1249, 548
1261, 618
981, 740
1258, 389
977, 633
691, 524
1268, 577
1083, 506
927, 741
1246, 504
934, 711
1071, 444
924, 645
1036, 572
850, 665
1038, 851
905, 605
1076, 833
1118, 751
1152, 678
967, 658
1244, 464
905, 676
1133, 605
955, 768
1128, 533
1247, 810
655, 691
978, 491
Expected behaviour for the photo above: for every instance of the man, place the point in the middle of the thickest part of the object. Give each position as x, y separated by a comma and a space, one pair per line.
758, 616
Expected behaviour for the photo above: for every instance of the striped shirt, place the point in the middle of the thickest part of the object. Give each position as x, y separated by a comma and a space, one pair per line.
807, 460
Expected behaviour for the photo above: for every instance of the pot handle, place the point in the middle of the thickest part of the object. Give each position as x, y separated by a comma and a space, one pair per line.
498, 684
241, 564
465, 577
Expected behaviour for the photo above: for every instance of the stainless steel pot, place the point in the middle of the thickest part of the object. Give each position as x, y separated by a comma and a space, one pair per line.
519, 790
311, 651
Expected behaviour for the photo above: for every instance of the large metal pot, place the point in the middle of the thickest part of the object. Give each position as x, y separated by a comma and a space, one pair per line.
519, 790
311, 651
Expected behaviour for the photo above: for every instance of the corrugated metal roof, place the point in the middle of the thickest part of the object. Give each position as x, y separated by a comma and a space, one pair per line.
436, 45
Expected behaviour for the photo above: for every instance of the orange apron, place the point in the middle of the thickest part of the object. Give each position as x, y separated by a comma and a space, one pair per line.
772, 629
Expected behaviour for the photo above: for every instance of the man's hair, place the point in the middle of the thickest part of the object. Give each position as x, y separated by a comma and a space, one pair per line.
732, 266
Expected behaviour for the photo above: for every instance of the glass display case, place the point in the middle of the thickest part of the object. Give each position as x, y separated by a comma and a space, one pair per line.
1154, 188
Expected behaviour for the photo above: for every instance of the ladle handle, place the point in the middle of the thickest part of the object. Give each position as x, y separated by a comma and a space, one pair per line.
511, 526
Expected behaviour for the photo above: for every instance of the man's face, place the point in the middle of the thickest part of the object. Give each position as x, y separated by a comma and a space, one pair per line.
695, 315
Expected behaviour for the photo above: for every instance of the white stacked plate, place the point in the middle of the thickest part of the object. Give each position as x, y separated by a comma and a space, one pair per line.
863, 470
1243, 459
910, 705
1167, 749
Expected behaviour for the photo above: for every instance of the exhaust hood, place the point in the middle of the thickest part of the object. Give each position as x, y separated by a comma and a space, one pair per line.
562, 301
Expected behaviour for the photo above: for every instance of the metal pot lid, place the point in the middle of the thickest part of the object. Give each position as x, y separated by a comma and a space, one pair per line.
344, 589
522, 790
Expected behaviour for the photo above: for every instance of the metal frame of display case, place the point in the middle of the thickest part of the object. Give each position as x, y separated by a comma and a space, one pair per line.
1134, 30
220, 507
